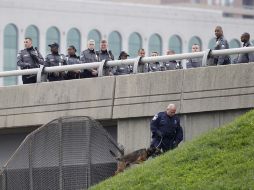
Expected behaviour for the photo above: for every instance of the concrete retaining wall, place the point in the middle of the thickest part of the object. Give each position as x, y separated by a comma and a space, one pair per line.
205, 97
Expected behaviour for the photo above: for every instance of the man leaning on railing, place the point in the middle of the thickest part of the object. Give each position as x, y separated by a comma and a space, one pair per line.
29, 58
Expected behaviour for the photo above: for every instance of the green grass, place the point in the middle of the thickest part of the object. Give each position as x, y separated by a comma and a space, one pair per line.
220, 159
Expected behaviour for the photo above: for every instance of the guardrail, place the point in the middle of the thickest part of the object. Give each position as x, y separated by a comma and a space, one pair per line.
136, 62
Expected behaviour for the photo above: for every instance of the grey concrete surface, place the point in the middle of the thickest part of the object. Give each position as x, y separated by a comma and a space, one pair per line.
205, 97
36, 104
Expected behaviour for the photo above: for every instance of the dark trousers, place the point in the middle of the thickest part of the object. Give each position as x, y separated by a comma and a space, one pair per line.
27, 79
165, 144
86, 74
54, 77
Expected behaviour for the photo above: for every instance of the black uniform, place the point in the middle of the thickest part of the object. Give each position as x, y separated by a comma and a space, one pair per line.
246, 57
153, 67
194, 62
108, 56
88, 56
55, 60
221, 43
27, 59
170, 65
71, 60
105, 55
167, 132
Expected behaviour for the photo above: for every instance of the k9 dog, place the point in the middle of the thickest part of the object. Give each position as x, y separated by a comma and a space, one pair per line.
135, 157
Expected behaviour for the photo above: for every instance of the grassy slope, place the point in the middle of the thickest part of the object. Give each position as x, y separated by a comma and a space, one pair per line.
221, 159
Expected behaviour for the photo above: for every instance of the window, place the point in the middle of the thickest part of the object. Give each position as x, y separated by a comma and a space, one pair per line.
96, 36
135, 43
212, 43
234, 43
73, 38
155, 44
33, 32
10, 52
53, 35
175, 43
115, 43
195, 40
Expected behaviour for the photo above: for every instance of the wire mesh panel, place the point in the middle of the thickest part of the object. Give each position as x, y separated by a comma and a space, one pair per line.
75, 153
68, 153
45, 157
103, 164
17, 169
1, 181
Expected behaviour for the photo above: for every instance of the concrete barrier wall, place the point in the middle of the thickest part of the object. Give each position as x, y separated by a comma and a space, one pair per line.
193, 90
37, 104
205, 97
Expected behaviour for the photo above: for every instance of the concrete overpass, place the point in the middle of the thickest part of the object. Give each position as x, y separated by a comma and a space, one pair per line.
206, 98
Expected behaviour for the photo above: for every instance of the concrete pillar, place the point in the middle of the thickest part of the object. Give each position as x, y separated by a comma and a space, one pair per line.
134, 133
1, 52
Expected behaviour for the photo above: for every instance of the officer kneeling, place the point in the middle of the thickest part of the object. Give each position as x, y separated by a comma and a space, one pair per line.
166, 130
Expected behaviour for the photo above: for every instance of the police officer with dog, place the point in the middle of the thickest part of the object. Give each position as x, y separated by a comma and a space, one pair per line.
29, 58
166, 130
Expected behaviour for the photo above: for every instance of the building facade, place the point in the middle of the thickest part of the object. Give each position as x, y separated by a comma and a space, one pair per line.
126, 26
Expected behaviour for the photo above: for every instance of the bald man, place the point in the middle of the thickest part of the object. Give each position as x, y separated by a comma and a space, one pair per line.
245, 57
166, 130
221, 43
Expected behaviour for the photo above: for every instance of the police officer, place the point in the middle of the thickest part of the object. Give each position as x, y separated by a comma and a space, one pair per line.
72, 59
166, 130
141, 66
29, 58
194, 62
245, 57
221, 43
88, 56
122, 69
55, 59
105, 54
154, 66
172, 64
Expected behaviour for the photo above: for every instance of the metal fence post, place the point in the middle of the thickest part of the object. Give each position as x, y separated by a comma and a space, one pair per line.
31, 163
4, 179
101, 68
206, 58
60, 126
137, 67
41, 76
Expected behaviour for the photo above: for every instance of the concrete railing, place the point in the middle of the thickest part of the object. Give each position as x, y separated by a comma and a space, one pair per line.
103, 65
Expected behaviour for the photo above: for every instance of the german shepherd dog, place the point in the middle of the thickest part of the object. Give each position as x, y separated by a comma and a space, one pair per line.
136, 157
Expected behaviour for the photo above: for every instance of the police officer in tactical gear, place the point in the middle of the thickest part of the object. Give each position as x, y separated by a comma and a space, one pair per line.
194, 62
154, 66
122, 69
166, 130
171, 64
105, 54
55, 59
221, 43
245, 57
88, 56
29, 58
72, 59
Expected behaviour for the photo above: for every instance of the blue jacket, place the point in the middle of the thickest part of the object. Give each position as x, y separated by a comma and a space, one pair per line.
168, 128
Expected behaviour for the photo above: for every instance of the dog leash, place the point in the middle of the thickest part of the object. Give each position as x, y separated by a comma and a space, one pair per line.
159, 143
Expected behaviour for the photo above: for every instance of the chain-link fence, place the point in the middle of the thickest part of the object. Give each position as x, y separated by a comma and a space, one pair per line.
69, 153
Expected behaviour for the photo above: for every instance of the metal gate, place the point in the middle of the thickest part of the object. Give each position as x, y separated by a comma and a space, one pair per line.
68, 153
